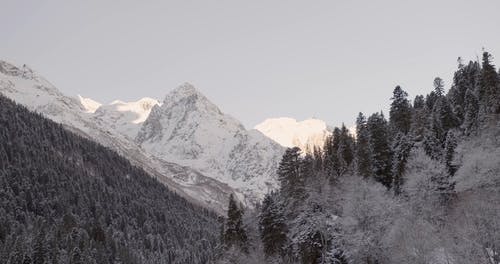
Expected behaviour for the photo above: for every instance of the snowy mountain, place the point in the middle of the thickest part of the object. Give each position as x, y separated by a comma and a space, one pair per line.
190, 130
125, 117
186, 142
88, 104
24, 86
289, 132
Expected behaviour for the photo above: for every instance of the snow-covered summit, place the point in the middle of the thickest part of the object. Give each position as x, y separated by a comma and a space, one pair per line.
289, 132
89, 105
125, 117
190, 130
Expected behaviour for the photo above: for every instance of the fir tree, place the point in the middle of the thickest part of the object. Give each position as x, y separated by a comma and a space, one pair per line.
400, 112
380, 148
401, 147
471, 112
289, 176
272, 226
235, 234
420, 118
363, 150
438, 87
489, 87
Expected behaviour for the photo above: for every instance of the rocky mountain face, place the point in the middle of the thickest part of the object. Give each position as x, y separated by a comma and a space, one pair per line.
186, 142
190, 130
25, 87
125, 117
288, 132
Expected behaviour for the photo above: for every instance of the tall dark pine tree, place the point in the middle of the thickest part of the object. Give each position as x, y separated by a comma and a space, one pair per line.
489, 87
289, 174
331, 158
380, 148
420, 118
363, 150
272, 226
471, 112
400, 112
235, 234
439, 86
465, 79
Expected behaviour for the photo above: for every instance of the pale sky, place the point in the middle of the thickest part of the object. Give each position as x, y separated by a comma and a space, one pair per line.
254, 59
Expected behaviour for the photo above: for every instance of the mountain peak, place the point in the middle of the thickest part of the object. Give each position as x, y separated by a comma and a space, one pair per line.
187, 97
182, 91
289, 132
89, 105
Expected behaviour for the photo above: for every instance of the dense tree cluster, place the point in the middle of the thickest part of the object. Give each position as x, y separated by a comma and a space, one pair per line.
390, 193
65, 199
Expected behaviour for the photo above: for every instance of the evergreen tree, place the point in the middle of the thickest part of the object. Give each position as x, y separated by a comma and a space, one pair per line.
235, 234
400, 112
443, 118
471, 112
465, 79
272, 226
438, 87
420, 118
289, 176
339, 152
363, 150
401, 147
380, 148
489, 87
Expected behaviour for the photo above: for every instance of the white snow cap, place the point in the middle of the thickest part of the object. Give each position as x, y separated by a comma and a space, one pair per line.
89, 105
289, 132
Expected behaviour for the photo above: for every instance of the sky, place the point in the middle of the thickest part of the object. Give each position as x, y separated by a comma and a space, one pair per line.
254, 59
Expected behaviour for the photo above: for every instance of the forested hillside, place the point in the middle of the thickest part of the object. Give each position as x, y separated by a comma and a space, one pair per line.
422, 186
65, 199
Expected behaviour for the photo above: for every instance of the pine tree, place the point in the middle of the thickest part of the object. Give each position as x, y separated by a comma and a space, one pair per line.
401, 147
380, 148
439, 86
272, 226
235, 234
471, 112
363, 150
400, 112
443, 119
420, 118
339, 152
489, 87
289, 176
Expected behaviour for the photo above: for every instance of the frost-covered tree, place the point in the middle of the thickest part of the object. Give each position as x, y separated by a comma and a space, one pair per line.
471, 111
272, 226
401, 147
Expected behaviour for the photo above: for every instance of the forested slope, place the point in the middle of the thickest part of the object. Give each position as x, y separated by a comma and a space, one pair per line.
420, 187
65, 199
